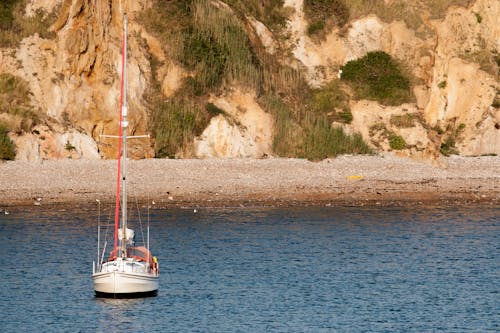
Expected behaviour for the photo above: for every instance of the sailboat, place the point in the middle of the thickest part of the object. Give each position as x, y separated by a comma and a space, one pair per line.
130, 270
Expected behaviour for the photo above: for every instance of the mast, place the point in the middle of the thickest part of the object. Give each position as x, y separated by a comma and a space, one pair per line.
124, 124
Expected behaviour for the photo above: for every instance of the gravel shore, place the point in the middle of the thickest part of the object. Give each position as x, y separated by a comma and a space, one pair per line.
346, 180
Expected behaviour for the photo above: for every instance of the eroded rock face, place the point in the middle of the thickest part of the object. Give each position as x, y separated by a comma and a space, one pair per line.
45, 143
245, 130
75, 80
377, 124
461, 91
452, 87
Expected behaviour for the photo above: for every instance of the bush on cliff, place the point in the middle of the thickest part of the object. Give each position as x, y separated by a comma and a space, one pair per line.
7, 149
378, 77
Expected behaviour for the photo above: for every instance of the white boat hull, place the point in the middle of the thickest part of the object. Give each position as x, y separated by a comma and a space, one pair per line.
116, 279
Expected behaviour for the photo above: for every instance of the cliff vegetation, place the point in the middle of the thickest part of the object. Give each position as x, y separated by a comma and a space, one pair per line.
210, 78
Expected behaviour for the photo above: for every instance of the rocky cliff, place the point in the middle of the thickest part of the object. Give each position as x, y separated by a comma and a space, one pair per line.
451, 57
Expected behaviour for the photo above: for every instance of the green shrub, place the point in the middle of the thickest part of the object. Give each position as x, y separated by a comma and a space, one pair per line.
397, 142
69, 146
496, 101
451, 136
442, 84
378, 77
479, 19
346, 116
447, 147
214, 110
314, 27
6, 13
7, 148
206, 57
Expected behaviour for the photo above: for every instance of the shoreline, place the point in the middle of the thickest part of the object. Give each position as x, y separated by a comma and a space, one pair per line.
274, 182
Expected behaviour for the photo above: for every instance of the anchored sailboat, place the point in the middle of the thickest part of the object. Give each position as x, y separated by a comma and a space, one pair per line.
130, 270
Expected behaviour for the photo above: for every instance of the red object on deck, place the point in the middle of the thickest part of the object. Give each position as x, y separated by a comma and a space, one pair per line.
137, 252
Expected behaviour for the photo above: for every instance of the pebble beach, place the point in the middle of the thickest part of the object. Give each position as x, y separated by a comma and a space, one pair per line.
345, 180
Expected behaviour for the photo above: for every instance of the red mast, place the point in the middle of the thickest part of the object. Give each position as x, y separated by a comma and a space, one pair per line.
120, 134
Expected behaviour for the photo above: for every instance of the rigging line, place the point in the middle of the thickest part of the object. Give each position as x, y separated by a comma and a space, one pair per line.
101, 259
139, 218
106, 230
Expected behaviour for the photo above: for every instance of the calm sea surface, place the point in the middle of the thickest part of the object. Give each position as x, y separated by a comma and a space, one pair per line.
324, 269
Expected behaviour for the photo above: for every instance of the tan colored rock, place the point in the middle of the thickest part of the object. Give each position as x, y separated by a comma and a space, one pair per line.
373, 121
173, 76
265, 36
54, 143
465, 97
246, 131
75, 79
365, 35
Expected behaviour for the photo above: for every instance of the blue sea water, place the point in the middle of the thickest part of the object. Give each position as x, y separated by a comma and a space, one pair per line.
317, 269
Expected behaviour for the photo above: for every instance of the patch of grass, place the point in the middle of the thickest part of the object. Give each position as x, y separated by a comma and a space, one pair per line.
270, 12
14, 26
402, 10
322, 141
305, 133
7, 18
15, 101
451, 136
346, 116
405, 121
378, 77
321, 10
488, 61
209, 41
7, 148
185, 122
438, 8
331, 101
396, 142
442, 84
398, 10
212, 44
327, 98
288, 134
323, 13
